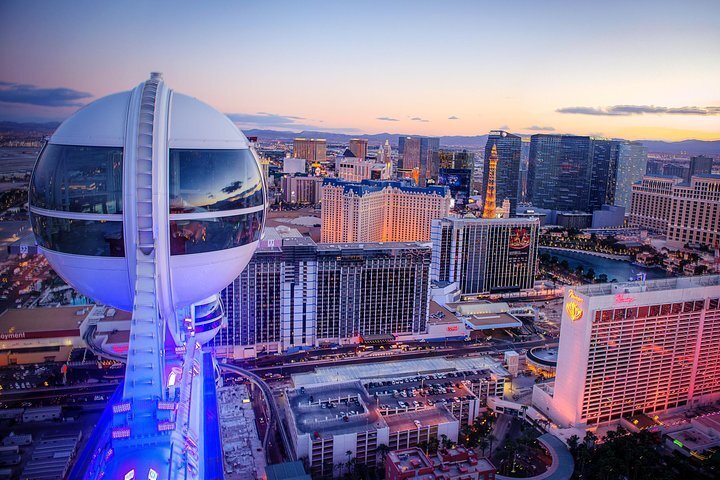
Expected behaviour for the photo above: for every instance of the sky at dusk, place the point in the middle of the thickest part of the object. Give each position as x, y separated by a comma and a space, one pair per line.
631, 69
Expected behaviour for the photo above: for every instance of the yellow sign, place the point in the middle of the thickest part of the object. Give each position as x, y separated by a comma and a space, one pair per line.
572, 307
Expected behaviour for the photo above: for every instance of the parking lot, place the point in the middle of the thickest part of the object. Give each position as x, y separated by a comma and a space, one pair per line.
423, 391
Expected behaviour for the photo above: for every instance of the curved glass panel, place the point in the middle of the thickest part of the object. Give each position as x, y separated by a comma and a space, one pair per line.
213, 180
213, 234
78, 179
79, 237
208, 311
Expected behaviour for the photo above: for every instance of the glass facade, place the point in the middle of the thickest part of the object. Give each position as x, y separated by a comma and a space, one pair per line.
78, 179
559, 172
213, 180
604, 168
213, 234
507, 171
79, 237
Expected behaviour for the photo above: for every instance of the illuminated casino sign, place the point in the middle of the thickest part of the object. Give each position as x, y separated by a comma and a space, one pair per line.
621, 298
572, 306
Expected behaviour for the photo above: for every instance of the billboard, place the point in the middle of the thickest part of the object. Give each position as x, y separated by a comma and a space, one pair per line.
459, 181
519, 245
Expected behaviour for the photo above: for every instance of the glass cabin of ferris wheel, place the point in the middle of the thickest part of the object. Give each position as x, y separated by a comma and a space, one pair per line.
208, 198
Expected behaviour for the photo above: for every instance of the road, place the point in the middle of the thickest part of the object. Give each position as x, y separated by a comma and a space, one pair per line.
272, 408
438, 352
52, 396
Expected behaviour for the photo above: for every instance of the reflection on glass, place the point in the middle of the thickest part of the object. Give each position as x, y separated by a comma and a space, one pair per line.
213, 180
79, 237
207, 311
78, 179
212, 234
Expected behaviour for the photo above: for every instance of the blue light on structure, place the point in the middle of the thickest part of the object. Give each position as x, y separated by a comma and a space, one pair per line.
150, 201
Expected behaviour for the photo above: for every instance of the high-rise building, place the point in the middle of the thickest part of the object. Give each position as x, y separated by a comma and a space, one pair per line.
311, 149
654, 167
631, 167
380, 211
507, 170
676, 170
301, 189
352, 169
421, 154
603, 173
456, 159
695, 212
384, 156
296, 293
685, 213
489, 193
359, 147
485, 255
700, 165
639, 347
560, 171
651, 202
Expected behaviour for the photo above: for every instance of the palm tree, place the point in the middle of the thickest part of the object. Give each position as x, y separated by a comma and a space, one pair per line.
444, 441
492, 439
590, 439
381, 451
483, 444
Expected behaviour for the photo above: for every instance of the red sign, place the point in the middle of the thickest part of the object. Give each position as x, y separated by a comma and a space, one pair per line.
621, 298
452, 328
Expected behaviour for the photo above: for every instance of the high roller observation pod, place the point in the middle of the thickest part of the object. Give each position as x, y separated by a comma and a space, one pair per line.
151, 201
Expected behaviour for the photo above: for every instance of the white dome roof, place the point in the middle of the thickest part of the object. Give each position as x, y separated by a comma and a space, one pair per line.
100, 123
193, 124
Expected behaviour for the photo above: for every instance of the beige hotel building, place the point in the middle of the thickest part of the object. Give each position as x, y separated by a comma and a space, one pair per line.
380, 211
684, 212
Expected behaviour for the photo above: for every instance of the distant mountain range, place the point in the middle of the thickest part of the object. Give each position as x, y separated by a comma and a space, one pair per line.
476, 141
700, 147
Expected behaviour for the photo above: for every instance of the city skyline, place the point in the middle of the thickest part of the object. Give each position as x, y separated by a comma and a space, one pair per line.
639, 71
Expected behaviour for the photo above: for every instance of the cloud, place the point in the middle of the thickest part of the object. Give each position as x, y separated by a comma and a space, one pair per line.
538, 128
627, 110
418, 119
273, 120
387, 119
453, 118
264, 118
46, 97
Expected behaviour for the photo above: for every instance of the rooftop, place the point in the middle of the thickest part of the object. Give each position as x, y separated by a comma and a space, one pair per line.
397, 369
544, 356
446, 463
29, 320
369, 186
661, 284
492, 320
693, 439
287, 471
401, 422
340, 407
